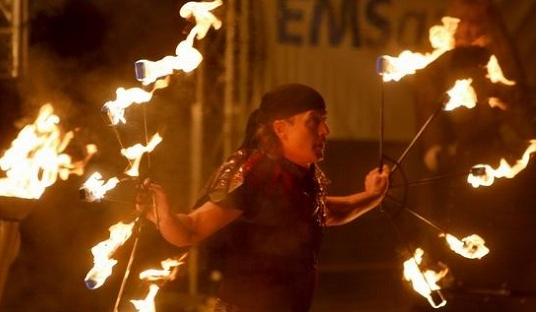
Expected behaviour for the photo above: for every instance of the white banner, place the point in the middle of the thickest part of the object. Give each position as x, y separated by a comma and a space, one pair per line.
332, 46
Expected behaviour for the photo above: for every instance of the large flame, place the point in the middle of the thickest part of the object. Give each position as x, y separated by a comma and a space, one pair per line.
95, 186
462, 94
471, 247
423, 282
103, 251
135, 153
495, 74
408, 62
489, 174
36, 159
147, 304
186, 58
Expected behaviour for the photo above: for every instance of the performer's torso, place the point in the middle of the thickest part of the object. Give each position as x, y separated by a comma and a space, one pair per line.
268, 256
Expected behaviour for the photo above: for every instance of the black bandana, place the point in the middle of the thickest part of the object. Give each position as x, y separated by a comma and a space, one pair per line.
288, 100
281, 103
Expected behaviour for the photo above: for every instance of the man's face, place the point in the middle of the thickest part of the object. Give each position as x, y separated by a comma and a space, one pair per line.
303, 136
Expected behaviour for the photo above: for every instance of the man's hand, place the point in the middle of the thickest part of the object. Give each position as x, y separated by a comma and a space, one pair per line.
376, 182
153, 201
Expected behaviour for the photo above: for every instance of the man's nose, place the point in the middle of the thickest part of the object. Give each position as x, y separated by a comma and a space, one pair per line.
323, 130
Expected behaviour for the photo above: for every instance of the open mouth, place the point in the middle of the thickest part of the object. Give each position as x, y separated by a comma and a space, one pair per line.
320, 146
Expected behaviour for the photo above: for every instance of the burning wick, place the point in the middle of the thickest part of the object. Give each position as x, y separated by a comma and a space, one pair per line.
95, 188
424, 282
135, 153
147, 304
103, 252
471, 247
168, 273
186, 58
462, 94
485, 175
442, 40
495, 74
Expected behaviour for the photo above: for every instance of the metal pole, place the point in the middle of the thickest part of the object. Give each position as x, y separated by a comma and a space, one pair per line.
431, 180
414, 213
196, 164
139, 225
145, 126
382, 106
430, 223
229, 78
243, 90
416, 137
118, 136
24, 37
16, 36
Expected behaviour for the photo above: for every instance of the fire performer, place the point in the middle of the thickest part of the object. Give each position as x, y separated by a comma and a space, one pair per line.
266, 206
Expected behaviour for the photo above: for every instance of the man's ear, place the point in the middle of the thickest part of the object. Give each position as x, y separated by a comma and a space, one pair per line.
280, 128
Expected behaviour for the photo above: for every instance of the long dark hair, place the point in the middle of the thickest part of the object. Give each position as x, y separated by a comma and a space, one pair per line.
261, 136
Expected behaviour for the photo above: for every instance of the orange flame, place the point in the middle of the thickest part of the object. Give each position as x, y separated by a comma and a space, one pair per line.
126, 97
503, 171
187, 58
496, 102
423, 282
203, 17
166, 273
471, 247
147, 304
36, 159
408, 62
103, 251
135, 153
495, 74
462, 94
96, 188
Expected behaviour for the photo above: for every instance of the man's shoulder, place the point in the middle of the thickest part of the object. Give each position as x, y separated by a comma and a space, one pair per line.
233, 172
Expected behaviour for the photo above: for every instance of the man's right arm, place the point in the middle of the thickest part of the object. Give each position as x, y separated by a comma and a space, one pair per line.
184, 230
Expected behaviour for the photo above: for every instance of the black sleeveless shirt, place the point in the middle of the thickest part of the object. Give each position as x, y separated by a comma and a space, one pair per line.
268, 256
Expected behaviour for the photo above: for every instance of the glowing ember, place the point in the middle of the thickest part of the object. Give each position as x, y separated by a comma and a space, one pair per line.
135, 153
488, 175
36, 159
186, 58
103, 251
462, 94
496, 102
408, 62
495, 74
471, 247
165, 274
95, 188
147, 304
423, 282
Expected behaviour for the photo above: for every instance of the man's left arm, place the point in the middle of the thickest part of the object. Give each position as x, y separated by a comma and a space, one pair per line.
344, 209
